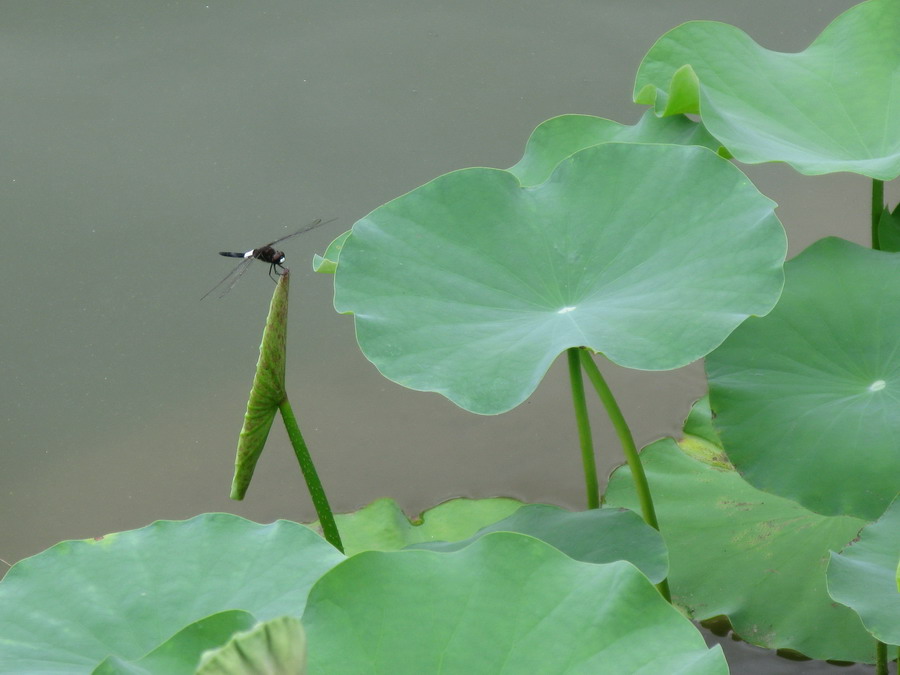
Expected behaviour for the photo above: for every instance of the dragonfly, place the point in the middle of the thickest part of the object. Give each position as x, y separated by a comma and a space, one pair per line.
267, 254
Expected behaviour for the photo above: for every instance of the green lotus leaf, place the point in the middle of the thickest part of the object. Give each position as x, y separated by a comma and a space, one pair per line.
267, 392
507, 604
758, 559
382, 525
68, 608
807, 399
180, 654
113, 665
559, 137
595, 536
699, 439
832, 107
699, 421
471, 285
327, 263
863, 576
273, 647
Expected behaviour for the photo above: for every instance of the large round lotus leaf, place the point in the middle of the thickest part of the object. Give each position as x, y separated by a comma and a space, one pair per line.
507, 604
807, 399
833, 107
382, 525
863, 576
471, 285
596, 536
559, 137
756, 558
66, 609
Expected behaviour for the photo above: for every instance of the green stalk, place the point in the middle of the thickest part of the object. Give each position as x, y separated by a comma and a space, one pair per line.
641, 486
313, 484
877, 210
584, 429
881, 658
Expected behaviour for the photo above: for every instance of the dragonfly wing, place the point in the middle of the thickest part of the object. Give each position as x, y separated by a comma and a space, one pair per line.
306, 228
230, 279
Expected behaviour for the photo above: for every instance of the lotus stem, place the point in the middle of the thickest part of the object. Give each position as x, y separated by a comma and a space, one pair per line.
881, 658
584, 429
311, 476
877, 210
641, 486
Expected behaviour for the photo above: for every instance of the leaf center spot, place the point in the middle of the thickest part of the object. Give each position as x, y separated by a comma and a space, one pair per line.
877, 385
566, 310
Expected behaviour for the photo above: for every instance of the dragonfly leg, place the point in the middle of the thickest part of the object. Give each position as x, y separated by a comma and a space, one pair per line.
273, 268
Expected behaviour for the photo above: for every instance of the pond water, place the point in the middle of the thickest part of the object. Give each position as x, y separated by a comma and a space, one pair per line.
142, 138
